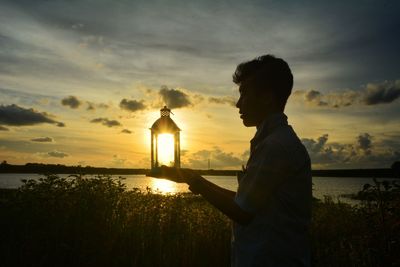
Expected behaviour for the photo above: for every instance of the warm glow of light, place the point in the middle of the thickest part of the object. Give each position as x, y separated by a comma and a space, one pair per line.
166, 149
164, 186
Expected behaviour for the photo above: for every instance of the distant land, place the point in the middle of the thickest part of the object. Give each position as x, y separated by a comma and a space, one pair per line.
41, 168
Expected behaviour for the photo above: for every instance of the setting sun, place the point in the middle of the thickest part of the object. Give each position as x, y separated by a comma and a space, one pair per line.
166, 149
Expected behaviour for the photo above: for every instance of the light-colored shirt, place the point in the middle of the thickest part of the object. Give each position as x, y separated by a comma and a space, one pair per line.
276, 188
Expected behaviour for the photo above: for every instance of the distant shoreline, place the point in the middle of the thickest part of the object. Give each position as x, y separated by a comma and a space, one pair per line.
63, 169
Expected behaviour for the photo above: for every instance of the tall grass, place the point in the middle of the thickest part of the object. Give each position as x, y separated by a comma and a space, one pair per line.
79, 221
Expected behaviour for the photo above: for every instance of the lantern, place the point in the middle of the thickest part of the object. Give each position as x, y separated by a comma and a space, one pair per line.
165, 141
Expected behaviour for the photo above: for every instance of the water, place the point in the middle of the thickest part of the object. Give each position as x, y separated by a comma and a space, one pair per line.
329, 186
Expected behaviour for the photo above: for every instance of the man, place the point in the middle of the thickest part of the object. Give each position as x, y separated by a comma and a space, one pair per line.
271, 210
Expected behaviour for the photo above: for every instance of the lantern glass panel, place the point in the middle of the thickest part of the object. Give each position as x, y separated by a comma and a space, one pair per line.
166, 149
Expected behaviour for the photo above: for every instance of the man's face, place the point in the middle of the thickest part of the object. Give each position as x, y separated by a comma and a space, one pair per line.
253, 106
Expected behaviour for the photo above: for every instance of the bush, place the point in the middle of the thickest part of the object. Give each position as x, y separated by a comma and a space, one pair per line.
80, 221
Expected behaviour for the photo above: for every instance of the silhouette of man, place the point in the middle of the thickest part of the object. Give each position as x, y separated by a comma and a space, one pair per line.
271, 210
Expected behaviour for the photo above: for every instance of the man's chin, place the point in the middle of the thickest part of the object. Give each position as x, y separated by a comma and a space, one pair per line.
247, 123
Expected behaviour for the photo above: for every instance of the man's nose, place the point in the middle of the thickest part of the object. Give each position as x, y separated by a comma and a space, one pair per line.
238, 102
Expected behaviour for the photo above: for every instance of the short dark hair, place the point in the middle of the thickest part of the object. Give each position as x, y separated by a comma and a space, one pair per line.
268, 72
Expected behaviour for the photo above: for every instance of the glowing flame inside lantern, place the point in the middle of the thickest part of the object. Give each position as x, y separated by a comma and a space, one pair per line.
165, 149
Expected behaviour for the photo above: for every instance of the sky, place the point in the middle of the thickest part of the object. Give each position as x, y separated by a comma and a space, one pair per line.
81, 82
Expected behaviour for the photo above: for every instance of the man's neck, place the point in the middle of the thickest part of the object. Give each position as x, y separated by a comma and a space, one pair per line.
267, 116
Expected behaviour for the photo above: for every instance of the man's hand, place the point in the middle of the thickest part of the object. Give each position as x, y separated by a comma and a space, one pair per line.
178, 175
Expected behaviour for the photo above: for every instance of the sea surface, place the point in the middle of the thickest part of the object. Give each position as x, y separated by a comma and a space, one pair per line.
334, 187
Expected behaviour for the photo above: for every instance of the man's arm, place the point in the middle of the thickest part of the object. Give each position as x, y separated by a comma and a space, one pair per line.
222, 199
219, 197
228, 193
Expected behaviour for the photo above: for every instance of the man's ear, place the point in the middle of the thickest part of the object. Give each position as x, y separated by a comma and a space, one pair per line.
267, 97
270, 100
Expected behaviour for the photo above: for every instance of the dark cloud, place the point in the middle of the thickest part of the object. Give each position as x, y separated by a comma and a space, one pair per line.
354, 155
364, 142
312, 95
230, 100
42, 139
373, 94
2, 128
126, 131
315, 146
174, 98
106, 122
15, 115
132, 105
332, 100
218, 159
382, 93
94, 106
57, 154
71, 101
90, 106
324, 154
315, 97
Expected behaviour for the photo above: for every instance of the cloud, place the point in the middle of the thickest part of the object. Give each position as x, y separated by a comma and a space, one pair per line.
365, 143
230, 100
2, 128
382, 93
132, 105
71, 101
372, 94
359, 154
53, 154
315, 146
218, 159
42, 139
94, 106
323, 154
181, 46
314, 96
90, 106
57, 154
107, 122
126, 131
332, 100
15, 115
174, 98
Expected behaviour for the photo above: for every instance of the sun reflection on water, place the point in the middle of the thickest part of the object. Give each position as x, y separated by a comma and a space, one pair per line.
164, 186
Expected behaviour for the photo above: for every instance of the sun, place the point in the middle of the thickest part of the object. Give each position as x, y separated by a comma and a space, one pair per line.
165, 149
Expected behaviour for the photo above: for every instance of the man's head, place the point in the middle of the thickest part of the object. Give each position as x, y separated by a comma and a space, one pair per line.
265, 84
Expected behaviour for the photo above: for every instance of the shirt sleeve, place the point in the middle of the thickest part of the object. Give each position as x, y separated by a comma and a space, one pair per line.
267, 169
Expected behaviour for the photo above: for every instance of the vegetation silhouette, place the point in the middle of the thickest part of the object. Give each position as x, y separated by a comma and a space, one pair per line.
77, 221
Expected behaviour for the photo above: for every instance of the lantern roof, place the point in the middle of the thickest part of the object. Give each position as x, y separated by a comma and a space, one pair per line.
165, 124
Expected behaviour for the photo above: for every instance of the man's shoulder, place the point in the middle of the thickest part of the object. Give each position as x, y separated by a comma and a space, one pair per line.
285, 142
283, 137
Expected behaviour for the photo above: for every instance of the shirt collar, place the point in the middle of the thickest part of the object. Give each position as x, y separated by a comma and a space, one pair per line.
268, 125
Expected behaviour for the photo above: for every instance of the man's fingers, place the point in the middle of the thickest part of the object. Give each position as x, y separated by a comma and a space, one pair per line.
172, 173
179, 175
